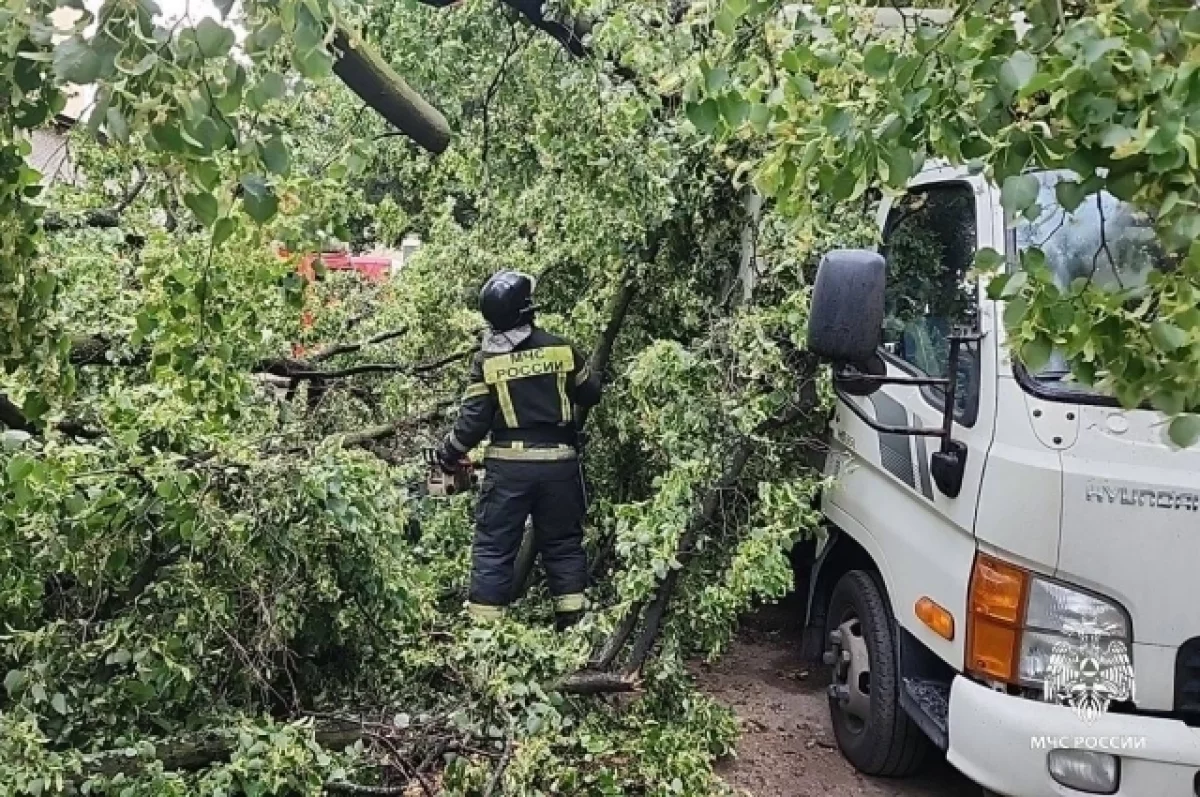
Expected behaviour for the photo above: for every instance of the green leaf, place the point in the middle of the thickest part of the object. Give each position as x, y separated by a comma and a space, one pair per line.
116, 126
13, 681
837, 121
1015, 285
704, 116
988, 260
1015, 311
19, 468
213, 38
716, 79
265, 37
900, 166
996, 286
1185, 430
1167, 336
59, 702
844, 184
1036, 353
222, 230
735, 110
1169, 402
76, 62
878, 62
314, 64
726, 22
1116, 135
1095, 49
143, 66
259, 198
737, 7
204, 205
760, 118
1123, 187
1070, 194
1017, 71
1019, 193
275, 156
223, 7
271, 87
206, 174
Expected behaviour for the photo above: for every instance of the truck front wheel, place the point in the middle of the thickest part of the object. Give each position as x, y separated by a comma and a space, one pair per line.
872, 730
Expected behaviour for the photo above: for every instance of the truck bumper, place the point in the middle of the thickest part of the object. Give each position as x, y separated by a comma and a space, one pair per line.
1004, 742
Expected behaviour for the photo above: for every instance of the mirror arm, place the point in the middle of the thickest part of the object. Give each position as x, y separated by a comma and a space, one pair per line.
882, 428
909, 381
948, 384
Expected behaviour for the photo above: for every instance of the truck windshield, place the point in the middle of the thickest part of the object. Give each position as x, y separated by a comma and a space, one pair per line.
1104, 240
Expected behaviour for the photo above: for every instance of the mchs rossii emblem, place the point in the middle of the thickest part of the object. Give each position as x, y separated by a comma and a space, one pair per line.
1090, 673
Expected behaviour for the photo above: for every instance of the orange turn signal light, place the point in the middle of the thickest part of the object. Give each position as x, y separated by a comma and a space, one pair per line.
940, 621
996, 609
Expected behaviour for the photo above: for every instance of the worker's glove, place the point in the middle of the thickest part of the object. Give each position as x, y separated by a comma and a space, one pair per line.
449, 460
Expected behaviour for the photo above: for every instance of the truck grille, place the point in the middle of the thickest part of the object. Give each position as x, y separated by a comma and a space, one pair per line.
1187, 681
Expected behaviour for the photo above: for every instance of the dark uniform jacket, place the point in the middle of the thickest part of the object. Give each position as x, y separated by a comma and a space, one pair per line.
525, 399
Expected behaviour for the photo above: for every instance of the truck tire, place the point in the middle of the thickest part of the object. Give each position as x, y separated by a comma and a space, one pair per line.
872, 730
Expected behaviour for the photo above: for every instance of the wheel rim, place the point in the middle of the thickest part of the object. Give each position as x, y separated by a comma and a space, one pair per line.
851, 688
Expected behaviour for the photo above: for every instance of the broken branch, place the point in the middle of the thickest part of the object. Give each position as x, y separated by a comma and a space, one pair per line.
365, 72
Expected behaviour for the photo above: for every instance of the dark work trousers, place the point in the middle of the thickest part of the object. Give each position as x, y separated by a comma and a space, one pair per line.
550, 492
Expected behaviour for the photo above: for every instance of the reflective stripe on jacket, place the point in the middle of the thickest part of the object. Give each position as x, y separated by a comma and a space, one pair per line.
528, 394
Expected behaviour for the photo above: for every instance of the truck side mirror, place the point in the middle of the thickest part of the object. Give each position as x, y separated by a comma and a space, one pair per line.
845, 321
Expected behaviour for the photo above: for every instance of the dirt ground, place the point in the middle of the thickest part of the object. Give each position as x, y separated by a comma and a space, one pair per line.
787, 747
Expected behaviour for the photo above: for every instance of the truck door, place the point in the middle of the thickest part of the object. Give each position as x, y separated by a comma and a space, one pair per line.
884, 495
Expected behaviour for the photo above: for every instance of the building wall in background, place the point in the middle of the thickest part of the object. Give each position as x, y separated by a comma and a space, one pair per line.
51, 150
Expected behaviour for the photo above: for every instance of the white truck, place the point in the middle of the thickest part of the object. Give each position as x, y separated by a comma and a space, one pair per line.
1008, 571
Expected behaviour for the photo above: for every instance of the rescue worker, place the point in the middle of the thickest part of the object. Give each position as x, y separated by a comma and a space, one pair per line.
525, 386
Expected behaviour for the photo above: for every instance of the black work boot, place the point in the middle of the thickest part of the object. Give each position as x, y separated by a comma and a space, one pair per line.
564, 620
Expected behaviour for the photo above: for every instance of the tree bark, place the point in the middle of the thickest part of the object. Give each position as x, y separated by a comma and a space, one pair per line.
595, 682
742, 451
192, 756
365, 72
301, 370
375, 434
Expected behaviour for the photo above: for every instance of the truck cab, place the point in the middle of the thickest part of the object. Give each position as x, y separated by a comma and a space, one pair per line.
1007, 570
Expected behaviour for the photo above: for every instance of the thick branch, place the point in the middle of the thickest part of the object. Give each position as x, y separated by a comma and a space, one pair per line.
193, 756
104, 218
300, 370
350, 348
618, 310
365, 72
595, 682
568, 34
617, 639
12, 417
742, 451
94, 350
344, 787
739, 457
375, 434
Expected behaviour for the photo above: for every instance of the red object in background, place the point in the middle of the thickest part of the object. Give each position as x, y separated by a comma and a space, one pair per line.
374, 269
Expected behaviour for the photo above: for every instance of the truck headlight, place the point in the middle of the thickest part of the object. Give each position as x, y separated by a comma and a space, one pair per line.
1017, 619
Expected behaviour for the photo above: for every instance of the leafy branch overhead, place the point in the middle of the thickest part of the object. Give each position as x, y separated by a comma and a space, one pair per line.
840, 100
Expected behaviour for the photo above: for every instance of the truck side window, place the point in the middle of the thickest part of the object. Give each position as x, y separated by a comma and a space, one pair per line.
929, 242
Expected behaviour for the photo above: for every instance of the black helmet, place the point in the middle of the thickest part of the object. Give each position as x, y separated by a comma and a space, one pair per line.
506, 300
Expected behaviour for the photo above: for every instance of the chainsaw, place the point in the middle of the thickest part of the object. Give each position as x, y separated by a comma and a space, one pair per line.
439, 484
